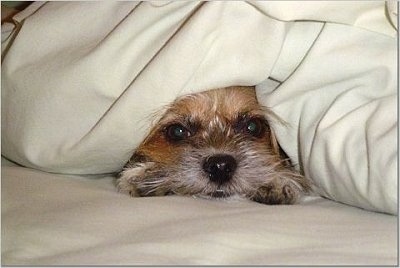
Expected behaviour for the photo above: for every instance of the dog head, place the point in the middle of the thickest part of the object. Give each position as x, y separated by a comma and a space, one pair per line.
216, 143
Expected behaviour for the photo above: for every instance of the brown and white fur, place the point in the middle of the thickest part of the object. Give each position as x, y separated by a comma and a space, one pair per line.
214, 144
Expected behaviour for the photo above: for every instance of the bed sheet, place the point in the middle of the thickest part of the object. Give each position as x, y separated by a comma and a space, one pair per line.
51, 219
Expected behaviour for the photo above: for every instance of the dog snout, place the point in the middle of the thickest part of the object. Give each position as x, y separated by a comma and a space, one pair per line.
220, 168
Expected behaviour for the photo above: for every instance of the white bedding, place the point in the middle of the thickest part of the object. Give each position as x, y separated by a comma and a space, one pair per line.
82, 102
79, 93
50, 219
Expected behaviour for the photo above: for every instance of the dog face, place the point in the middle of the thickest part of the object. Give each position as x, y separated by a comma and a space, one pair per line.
217, 144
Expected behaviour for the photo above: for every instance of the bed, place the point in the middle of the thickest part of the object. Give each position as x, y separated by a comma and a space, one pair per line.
79, 94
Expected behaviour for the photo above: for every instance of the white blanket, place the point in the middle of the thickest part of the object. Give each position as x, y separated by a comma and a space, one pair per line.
81, 79
50, 219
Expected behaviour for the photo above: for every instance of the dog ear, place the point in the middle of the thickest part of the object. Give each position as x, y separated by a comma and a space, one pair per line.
274, 142
277, 149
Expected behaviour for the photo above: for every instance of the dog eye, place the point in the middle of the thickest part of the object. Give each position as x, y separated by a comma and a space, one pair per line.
255, 127
177, 132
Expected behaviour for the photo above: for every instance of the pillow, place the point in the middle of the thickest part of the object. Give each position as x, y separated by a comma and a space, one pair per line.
78, 91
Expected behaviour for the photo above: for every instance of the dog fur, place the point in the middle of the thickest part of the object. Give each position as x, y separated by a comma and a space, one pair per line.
214, 144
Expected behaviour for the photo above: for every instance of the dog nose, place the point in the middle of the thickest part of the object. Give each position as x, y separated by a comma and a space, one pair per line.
220, 167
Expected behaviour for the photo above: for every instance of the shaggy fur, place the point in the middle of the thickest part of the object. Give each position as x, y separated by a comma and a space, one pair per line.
227, 123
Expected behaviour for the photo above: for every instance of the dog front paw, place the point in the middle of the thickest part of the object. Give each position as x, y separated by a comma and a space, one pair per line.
277, 193
143, 179
129, 178
124, 186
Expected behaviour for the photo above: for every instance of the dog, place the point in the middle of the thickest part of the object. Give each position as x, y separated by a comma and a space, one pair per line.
214, 144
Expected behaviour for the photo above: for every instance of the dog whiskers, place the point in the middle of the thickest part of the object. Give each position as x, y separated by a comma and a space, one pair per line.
214, 144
